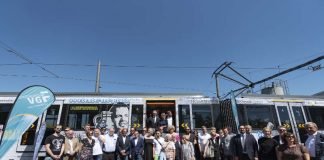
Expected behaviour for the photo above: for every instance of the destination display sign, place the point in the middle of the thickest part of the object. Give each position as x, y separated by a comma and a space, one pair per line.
83, 108
100, 100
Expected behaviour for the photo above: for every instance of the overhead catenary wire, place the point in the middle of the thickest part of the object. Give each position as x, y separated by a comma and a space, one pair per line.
21, 56
291, 61
109, 82
140, 66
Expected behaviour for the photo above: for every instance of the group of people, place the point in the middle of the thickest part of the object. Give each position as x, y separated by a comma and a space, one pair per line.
284, 146
158, 143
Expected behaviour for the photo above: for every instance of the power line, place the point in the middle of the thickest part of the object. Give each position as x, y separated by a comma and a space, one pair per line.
21, 56
109, 65
141, 66
302, 58
110, 82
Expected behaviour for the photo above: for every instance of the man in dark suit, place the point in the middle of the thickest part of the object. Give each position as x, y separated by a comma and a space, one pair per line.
177, 146
163, 124
137, 147
123, 145
314, 142
279, 138
244, 146
153, 122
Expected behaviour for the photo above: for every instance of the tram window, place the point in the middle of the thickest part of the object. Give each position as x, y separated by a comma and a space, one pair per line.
299, 117
284, 117
51, 116
201, 116
259, 116
137, 116
51, 120
80, 115
241, 114
4, 113
317, 116
28, 137
184, 117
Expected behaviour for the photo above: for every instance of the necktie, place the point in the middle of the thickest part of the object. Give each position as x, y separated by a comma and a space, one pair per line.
243, 141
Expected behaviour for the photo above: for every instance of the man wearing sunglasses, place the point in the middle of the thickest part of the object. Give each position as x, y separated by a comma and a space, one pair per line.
279, 138
54, 145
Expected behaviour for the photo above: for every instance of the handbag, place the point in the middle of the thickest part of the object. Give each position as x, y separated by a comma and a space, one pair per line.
163, 148
209, 150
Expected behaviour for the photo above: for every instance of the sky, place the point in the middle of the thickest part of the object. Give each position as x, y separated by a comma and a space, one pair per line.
167, 46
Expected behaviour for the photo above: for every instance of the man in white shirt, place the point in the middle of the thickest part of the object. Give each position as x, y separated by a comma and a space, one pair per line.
97, 148
110, 145
203, 139
158, 141
314, 142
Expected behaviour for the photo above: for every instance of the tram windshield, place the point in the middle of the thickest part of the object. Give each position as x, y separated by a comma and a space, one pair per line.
258, 116
202, 115
317, 116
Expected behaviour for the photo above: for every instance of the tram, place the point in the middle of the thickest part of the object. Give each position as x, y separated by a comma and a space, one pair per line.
260, 110
106, 110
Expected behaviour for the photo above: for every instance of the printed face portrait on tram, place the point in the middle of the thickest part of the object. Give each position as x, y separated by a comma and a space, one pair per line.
116, 117
119, 115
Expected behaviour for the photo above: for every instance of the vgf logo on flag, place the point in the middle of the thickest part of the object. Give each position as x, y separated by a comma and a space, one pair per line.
43, 97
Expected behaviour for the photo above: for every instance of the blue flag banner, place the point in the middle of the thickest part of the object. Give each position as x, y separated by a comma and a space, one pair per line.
39, 139
29, 105
234, 109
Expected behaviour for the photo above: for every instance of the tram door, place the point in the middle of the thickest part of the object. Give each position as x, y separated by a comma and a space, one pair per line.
292, 116
161, 106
